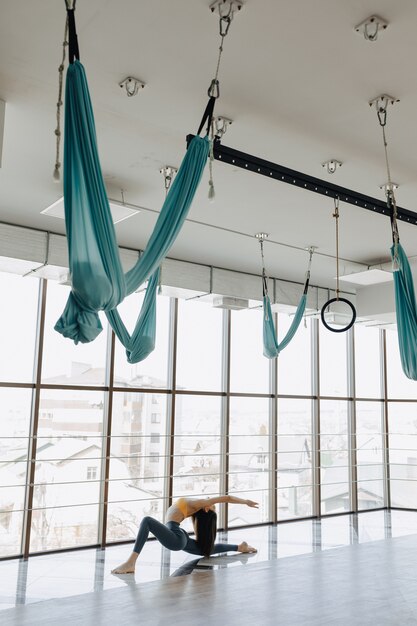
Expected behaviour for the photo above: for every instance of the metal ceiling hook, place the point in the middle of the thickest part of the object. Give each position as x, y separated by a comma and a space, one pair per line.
371, 36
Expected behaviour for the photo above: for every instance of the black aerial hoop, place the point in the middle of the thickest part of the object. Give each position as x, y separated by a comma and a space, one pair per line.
345, 328
337, 298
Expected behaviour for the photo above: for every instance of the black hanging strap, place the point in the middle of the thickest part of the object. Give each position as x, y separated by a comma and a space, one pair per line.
207, 115
264, 284
306, 284
392, 216
73, 51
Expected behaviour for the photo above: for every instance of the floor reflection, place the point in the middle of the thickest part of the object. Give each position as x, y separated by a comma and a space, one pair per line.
86, 571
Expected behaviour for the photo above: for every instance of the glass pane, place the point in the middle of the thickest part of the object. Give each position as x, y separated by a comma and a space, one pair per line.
398, 385
249, 448
241, 515
15, 409
18, 315
249, 369
123, 518
138, 461
294, 497
64, 527
294, 363
11, 523
370, 458
333, 363
367, 362
294, 501
402, 421
68, 471
197, 445
199, 350
334, 459
152, 372
65, 363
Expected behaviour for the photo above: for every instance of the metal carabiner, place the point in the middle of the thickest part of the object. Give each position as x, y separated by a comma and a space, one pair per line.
214, 89
382, 115
224, 24
336, 206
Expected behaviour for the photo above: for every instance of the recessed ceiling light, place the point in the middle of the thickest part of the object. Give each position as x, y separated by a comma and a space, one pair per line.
118, 210
368, 277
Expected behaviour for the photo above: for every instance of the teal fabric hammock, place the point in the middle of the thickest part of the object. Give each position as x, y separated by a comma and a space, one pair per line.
405, 299
406, 311
98, 280
271, 347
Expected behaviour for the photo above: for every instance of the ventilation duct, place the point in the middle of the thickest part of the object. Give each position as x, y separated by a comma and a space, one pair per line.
233, 304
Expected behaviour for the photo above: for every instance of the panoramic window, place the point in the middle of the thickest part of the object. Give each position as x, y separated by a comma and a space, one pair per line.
402, 420
295, 459
367, 362
199, 346
65, 363
153, 371
294, 362
15, 409
333, 363
249, 459
249, 369
18, 319
137, 464
196, 463
334, 457
398, 385
369, 454
68, 455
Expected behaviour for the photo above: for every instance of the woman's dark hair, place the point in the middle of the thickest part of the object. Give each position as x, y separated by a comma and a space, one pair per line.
205, 524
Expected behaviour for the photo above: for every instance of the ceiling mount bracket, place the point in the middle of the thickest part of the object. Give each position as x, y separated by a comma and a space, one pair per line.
132, 85
261, 236
371, 27
220, 126
225, 7
168, 172
381, 102
332, 165
389, 187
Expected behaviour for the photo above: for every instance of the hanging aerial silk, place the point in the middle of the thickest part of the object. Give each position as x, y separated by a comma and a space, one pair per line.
271, 347
98, 280
405, 299
406, 310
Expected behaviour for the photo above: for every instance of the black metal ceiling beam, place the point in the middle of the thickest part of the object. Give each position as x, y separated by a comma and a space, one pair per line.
304, 181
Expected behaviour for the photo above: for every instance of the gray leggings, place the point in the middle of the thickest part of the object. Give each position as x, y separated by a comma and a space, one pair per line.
171, 536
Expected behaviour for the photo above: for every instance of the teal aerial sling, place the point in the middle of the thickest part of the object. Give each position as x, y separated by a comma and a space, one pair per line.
406, 311
405, 299
271, 347
98, 280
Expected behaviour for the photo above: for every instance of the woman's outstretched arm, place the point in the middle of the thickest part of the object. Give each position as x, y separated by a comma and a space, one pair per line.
201, 504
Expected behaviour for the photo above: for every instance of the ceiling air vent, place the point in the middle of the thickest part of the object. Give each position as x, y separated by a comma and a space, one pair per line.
118, 210
234, 304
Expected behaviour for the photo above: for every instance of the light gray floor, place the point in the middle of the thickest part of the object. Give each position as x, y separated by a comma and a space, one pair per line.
374, 583
373, 580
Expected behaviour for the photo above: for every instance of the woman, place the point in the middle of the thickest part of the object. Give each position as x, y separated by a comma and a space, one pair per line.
171, 536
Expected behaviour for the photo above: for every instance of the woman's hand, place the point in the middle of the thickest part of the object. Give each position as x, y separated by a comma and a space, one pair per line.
252, 504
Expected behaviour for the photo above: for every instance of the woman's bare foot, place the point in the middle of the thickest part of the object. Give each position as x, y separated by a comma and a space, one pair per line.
128, 567
246, 548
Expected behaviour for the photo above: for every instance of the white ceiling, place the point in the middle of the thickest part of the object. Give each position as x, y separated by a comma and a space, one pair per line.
295, 78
